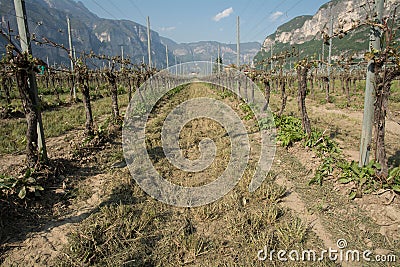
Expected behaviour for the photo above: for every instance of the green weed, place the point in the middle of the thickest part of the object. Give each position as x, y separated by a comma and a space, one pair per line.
20, 186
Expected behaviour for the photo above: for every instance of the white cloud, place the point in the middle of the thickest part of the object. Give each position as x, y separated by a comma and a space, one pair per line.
223, 14
276, 15
167, 29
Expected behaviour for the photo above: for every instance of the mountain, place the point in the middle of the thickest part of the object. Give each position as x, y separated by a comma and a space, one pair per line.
205, 50
305, 32
47, 18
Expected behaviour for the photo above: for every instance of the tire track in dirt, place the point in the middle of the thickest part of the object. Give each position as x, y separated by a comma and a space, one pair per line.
293, 201
383, 207
391, 126
352, 125
366, 223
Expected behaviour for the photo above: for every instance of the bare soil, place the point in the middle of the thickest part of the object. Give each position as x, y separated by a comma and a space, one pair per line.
93, 175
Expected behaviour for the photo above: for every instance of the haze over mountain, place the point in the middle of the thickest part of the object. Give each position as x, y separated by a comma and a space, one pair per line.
204, 50
47, 18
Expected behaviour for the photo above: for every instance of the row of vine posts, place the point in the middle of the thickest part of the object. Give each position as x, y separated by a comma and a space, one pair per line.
21, 65
386, 67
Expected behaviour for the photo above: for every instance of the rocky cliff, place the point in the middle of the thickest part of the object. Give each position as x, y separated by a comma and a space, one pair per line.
47, 18
305, 32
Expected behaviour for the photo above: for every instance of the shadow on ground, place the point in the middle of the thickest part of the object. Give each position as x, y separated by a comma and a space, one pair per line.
394, 161
19, 218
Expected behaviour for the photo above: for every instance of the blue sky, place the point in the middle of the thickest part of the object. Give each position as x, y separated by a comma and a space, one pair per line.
206, 20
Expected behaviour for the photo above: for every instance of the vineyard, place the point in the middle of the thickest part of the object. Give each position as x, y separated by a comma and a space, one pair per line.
70, 192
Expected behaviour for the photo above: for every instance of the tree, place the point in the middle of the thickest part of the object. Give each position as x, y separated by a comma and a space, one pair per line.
302, 69
82, 76
112, 81
23, 64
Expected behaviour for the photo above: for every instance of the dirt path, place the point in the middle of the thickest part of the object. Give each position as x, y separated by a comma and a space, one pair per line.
365, 223
236, 225
294, 202
383, 206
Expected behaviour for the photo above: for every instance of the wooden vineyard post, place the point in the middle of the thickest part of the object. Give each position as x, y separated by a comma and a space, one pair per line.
35, 116
368, 117
71, 56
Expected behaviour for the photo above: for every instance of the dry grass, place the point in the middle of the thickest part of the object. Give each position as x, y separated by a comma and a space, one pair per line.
132, 229
55, 122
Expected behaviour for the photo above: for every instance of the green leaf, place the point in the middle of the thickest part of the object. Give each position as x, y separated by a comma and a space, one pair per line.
363, 180
15, 183
368, 191
396, 188
370, 172
38, 187
22, 193
394, 173
345, 180
355, 168
317, 179
352, 195
377, 165
28, 173
369, 56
